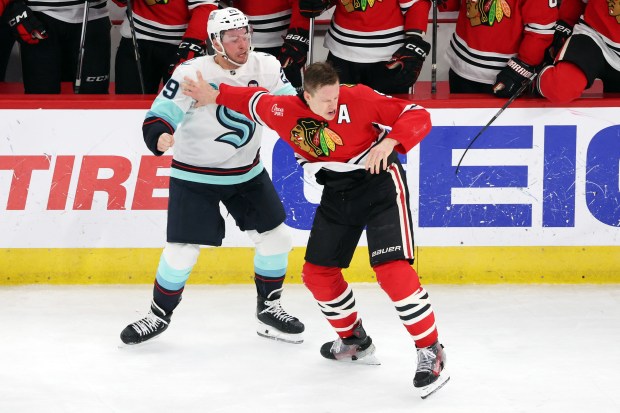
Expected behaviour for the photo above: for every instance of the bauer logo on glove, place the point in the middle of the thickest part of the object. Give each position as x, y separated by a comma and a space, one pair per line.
294, 50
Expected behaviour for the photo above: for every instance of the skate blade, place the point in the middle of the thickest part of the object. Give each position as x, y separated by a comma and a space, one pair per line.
370, 360
365, 357
443, 378
139, 344
266, 331
136, 345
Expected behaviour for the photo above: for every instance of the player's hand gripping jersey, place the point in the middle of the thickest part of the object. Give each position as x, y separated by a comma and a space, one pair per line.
344, 140
213, 144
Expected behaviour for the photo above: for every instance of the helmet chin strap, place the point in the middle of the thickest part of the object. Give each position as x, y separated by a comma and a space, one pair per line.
225, 55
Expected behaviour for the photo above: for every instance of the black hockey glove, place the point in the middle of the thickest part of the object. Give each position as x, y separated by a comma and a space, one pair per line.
512, 77
406, 64
294, 50
562, 31
26, 27
188, 49
313, 8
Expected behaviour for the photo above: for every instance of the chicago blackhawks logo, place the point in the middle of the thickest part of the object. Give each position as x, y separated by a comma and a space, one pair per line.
315, 137
486, 12
614, 9
358, 5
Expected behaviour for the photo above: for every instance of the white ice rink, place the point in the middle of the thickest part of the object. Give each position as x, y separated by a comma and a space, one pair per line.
510, 349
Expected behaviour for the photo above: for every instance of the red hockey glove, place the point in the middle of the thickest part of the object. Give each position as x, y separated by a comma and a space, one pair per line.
188, 49
26, 27
313, 8
562, 31
512, 77
294, 50
406, 64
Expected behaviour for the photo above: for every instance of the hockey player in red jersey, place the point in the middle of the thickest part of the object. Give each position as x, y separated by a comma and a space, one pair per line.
169, 32
591, 52
497, 44
49, 33
377, 43
279, 29
334, 131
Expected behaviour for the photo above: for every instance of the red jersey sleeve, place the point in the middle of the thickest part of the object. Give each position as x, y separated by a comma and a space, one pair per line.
538, 20
570, 10
449, 5
297, 20
3, 4
416, 18
410, 123
197, 26
241, 99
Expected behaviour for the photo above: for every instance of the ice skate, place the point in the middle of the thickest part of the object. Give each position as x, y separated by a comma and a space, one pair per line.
155, 323
430, 374
275, 323
355, 349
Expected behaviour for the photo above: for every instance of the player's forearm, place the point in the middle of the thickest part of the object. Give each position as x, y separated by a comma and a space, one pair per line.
240, 99
410, 128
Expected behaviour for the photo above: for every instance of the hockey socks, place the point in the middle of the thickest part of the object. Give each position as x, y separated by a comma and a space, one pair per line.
401, 283
333, 295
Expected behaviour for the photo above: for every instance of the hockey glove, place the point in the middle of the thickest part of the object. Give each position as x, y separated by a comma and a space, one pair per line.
512, 77
294, 50
406, 64
26, 27
562, 31
313, 8
188, 49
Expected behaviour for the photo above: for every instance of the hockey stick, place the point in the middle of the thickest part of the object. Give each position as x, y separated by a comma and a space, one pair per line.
434, 51
78, 75
518, 93
136, 51
311, 42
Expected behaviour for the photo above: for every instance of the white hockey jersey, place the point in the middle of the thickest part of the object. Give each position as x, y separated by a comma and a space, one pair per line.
214, 144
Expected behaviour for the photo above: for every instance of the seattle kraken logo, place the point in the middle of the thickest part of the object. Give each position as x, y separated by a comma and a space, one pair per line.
241, 128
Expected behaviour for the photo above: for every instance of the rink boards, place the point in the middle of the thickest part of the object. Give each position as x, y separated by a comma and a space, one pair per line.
536, 199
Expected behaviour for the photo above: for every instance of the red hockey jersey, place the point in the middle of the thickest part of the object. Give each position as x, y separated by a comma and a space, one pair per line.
69, 11
371, 31
345, 139
168, 21
271, 19
489, 32
599, 19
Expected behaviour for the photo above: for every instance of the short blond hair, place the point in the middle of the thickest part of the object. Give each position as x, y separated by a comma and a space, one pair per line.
319, 74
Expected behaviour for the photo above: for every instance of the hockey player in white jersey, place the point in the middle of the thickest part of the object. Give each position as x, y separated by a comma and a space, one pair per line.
217, 159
